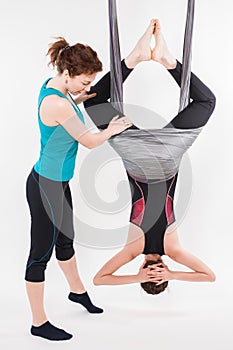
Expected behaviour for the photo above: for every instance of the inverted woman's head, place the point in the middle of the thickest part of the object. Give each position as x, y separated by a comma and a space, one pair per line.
152, 287
78, 63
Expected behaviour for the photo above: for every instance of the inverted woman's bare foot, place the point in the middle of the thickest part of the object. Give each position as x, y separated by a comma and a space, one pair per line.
161, 53
142, 50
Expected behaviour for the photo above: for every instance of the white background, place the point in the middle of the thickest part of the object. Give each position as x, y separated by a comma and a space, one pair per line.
190, 315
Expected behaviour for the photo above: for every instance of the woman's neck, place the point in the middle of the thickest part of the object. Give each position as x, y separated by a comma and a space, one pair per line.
57, 83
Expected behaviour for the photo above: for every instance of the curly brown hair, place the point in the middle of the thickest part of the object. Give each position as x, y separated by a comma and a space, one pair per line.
77, 59
151, 287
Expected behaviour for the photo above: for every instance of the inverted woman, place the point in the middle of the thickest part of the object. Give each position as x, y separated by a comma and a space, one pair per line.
152, 229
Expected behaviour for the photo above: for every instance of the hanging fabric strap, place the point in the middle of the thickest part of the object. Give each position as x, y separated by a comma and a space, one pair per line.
187, 56
115, 59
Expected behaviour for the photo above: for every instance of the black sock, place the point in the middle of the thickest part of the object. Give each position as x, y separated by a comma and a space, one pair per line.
85, 300
48, 331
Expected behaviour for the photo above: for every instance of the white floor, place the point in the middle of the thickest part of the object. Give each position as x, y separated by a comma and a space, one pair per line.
188, 316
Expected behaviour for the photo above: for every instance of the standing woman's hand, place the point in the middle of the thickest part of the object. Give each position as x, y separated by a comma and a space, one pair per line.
118, 124
84, 96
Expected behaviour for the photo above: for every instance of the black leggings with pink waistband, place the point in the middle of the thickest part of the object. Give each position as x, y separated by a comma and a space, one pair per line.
152, 203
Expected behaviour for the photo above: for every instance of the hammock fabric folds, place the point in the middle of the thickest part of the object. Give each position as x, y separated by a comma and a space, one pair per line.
151, 154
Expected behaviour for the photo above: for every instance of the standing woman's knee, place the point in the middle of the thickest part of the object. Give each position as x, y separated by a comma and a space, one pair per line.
35, 271
64, 248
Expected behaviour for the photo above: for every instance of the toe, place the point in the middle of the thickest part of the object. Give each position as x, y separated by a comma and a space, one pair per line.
157, 24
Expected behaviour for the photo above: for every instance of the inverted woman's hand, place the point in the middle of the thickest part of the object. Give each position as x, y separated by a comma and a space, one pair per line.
160, 273
118, 124
144, 274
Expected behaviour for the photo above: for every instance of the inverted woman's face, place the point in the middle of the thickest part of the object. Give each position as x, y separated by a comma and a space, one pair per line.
153, 257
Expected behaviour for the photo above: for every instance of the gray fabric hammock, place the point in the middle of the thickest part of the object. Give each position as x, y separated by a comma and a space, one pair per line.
151, 154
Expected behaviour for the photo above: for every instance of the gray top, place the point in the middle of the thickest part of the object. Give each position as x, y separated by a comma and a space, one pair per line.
153, 154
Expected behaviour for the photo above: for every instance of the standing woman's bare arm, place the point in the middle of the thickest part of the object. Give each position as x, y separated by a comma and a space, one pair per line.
56, 110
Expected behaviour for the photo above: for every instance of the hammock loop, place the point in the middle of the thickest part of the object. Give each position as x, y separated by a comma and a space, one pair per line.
155, 154
115, 57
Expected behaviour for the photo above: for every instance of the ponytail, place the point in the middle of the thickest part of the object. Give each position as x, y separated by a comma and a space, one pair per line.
55, 49
77, 59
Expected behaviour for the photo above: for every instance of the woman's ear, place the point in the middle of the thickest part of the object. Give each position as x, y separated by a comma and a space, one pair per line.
144, 263
66, 73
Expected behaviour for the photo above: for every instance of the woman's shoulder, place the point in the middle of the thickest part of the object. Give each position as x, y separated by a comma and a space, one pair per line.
55, 108
135, 239
171, 241
55, 100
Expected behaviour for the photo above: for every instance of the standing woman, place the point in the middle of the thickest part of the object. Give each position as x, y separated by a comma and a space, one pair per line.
62, 128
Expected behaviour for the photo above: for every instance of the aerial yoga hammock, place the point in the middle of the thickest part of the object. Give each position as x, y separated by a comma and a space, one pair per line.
152, 156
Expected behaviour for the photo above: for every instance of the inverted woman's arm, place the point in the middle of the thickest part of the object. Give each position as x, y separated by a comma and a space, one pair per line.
107, 276
200, 271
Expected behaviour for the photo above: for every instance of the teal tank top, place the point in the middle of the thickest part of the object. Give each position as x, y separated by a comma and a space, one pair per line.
58, 148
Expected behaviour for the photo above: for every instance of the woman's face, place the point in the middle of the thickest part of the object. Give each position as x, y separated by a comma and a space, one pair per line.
153, 257
80, 83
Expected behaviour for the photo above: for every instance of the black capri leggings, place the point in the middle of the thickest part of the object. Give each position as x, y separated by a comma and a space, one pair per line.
155, 215
195, 115
51, 212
